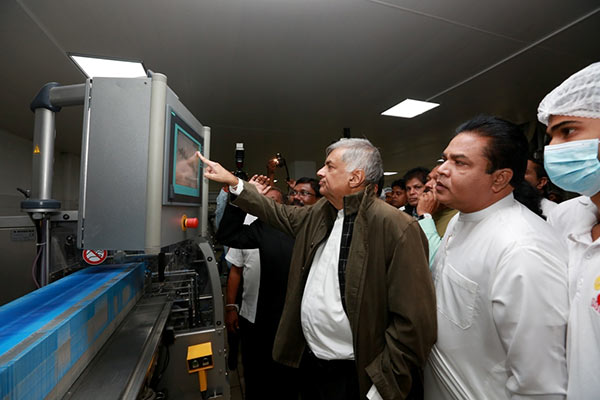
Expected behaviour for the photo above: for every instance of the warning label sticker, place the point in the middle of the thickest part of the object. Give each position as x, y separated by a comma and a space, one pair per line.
95, 257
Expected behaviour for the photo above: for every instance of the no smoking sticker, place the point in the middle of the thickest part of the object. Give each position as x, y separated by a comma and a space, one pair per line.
94, 257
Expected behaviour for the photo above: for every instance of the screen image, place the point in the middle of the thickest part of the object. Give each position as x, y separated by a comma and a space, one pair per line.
183, 170
187, 172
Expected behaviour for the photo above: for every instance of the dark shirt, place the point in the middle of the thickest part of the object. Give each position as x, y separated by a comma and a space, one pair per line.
275, 248
347, 229
410, 210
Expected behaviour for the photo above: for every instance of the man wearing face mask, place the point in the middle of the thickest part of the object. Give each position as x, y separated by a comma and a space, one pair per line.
572, 114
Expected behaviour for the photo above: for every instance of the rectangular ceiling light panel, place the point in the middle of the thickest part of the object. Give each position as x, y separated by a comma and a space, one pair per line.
104, 67
409, 108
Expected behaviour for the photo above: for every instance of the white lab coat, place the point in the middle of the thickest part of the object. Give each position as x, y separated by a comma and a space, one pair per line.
500, 277
574, 220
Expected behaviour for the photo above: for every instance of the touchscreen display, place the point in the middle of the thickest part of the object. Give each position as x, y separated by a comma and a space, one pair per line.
186, 163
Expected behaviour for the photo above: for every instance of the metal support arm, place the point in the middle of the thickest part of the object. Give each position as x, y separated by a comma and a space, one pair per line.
46, 103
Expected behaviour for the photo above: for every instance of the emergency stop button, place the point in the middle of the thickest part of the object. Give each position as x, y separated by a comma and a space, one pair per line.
191, 222
188, 222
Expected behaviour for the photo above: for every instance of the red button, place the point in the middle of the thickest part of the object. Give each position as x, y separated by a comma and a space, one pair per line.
191, 223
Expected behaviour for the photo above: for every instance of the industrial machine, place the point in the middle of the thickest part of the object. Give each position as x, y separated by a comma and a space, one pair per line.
130, 303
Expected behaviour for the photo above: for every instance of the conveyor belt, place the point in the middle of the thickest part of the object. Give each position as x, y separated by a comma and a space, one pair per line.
119, 369
49, 336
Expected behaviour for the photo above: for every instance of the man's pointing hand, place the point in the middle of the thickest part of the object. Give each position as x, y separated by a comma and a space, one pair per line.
215, 172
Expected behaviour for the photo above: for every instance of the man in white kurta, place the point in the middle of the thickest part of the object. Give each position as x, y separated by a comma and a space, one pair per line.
500, 278
572, 114
501, 290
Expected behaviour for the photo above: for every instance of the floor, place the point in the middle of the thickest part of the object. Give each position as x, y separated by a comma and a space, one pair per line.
236, 380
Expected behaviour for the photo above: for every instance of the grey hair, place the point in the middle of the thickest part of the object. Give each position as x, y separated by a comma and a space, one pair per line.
360, 154
275, 188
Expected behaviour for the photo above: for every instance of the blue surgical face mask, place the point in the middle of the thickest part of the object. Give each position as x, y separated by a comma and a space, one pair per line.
574, 166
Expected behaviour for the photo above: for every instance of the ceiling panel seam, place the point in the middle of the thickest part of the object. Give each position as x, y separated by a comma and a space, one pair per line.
515, 54
446, 20
42, 27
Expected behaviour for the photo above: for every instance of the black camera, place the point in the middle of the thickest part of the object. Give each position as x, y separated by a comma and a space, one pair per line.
239, 161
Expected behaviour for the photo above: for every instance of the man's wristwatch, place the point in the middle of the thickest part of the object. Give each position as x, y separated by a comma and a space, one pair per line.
233, 306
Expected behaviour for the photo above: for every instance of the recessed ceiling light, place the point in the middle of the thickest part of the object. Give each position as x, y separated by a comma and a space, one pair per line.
409, 108
97, 66
388, 173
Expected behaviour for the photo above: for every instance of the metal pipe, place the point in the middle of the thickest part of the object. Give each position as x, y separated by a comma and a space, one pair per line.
43, 154
47, 252
45, 265
50, 98
156, 141
70, 95
204, 210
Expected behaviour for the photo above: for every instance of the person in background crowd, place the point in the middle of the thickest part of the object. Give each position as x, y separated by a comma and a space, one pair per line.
433, 216
537, 177
500, 277
398, 199
556, 196
305, 192
265, 283
572, 113
386, 195
428, 203
244, 274
232, 339
415, 186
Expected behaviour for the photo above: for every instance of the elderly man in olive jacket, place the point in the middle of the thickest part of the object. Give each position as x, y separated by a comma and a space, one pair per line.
360, 315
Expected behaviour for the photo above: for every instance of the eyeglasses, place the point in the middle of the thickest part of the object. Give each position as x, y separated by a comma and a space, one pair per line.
302, 193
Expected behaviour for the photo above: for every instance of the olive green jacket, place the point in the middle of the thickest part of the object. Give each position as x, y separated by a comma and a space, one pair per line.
390, 297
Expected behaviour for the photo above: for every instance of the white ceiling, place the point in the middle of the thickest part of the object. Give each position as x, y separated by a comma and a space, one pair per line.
288, 75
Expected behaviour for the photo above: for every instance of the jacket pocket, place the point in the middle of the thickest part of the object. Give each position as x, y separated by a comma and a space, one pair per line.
456, 297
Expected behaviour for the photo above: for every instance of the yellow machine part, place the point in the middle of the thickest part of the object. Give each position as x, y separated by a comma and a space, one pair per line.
199, 359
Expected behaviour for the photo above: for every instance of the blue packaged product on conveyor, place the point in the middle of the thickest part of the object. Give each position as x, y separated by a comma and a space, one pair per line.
48, 336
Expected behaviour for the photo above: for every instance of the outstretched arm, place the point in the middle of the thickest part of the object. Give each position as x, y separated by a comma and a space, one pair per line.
215, 172
287, 219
